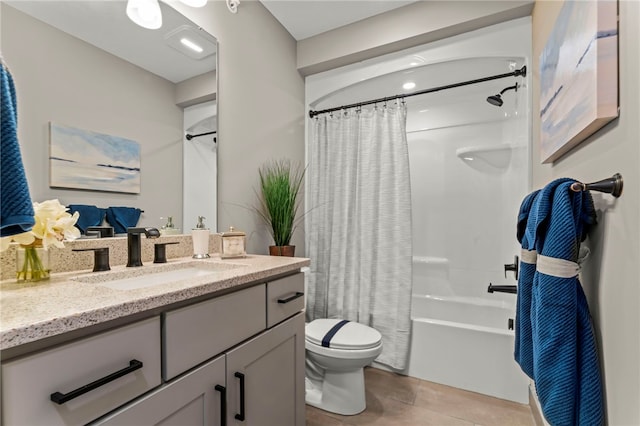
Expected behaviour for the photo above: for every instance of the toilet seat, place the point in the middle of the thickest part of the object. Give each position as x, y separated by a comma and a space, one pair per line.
351, 336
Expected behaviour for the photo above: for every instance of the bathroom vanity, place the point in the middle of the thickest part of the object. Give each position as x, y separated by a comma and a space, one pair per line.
223, 347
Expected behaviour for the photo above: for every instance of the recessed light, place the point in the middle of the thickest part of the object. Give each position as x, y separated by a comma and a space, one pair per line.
191, 45
191, 42
408, 85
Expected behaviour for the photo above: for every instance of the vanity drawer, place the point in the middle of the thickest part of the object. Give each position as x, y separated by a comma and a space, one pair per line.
28, 383
195, 333
285, 297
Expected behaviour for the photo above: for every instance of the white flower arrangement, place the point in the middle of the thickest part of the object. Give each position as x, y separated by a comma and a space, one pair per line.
53, 226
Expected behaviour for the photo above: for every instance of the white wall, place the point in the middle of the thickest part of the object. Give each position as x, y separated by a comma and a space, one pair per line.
62, 79
610, 277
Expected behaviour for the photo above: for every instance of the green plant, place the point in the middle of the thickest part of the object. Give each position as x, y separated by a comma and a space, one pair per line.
280, 184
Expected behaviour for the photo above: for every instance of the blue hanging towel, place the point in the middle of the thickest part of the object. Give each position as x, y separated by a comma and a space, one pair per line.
89, 215
122, 218
523, 350
16, 209
566, 369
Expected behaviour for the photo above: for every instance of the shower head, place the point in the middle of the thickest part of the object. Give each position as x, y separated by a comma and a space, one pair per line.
497, 98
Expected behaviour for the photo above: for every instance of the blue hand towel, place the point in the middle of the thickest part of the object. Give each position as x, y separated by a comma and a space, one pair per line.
89, 215
566, 369
122, 218
523, 350
16, 209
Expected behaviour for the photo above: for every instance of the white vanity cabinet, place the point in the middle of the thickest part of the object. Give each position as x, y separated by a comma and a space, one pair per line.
197, 398
265, 378
235, 359
29, 383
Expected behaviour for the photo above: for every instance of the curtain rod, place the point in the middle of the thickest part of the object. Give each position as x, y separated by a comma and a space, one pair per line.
521, 72
189, 137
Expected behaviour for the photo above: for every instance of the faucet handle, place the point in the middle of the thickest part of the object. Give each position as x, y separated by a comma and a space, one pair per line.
100, 258
160, 253
512, 267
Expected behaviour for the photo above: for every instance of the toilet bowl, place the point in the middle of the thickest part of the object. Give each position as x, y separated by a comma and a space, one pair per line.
336, 353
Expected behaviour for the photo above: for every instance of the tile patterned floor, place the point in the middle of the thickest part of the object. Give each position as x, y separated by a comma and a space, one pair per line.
395, 400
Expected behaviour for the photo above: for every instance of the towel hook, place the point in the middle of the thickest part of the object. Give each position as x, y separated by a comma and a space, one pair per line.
612, 185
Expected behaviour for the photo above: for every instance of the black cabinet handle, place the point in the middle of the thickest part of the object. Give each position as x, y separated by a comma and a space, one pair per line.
241, 415
291, 298
61, 398
223, 404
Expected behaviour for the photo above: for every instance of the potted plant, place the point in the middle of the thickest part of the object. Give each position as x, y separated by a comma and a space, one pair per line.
280, 184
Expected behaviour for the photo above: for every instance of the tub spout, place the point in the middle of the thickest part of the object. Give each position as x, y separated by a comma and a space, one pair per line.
502, 288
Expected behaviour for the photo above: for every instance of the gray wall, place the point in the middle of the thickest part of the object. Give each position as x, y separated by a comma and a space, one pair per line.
62, 79
260, 108
610, 277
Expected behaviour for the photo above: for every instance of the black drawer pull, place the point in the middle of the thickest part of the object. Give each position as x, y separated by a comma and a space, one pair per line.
291, 298
61, 398
223, 404
241, 415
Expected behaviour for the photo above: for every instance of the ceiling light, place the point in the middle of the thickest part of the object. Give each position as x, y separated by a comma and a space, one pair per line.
194, 3
190, 41
408, 85
191, 45
145, 13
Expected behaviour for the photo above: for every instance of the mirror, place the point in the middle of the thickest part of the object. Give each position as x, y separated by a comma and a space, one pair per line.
162, 92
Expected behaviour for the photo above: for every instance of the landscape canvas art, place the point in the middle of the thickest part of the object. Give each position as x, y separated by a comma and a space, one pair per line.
81, 159
578, 76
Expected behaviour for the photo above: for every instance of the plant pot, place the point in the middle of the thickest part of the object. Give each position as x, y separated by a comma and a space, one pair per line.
282, 251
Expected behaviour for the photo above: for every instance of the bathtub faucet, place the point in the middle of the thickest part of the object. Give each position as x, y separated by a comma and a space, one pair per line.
502, 288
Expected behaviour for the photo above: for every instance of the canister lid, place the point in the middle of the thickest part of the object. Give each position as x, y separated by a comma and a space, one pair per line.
352, 335
233, 233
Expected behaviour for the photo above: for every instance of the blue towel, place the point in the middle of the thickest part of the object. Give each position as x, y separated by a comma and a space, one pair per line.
523, 350
531, 221
16, 209
89, 215
122, 218
566, 369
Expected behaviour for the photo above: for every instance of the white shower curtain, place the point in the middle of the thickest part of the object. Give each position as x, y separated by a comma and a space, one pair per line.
359, 224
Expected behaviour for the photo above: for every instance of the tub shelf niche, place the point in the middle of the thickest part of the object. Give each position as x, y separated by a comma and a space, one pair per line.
497, 156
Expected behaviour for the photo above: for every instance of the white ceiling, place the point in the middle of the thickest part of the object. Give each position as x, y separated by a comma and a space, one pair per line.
306, 18
105, 25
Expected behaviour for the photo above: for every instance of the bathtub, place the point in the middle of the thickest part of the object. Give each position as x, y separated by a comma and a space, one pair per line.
465, 342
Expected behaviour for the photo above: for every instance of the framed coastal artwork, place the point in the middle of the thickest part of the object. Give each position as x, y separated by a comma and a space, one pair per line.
578, 76
82, 159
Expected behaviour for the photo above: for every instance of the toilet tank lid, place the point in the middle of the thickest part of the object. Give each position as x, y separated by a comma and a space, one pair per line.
352, 335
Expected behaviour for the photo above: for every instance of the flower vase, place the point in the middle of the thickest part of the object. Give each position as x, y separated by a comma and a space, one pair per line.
32, 263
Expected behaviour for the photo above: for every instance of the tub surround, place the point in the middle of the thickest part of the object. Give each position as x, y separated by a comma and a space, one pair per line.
32, 312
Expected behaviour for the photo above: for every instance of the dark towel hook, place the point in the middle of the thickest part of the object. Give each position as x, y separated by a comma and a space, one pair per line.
612, 185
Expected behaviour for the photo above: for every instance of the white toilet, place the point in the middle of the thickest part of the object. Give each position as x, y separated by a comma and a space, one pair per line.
336, 353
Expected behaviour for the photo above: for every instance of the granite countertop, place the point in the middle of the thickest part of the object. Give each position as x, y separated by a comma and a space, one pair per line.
30, 312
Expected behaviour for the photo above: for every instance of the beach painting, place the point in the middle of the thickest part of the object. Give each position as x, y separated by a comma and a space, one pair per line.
578, 76
82, 159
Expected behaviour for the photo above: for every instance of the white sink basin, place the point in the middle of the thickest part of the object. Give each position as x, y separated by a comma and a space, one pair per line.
141, 277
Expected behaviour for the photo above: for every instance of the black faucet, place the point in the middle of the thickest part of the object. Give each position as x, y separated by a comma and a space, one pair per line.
134, 257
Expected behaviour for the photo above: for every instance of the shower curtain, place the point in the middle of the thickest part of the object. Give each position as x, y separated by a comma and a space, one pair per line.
359, 224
